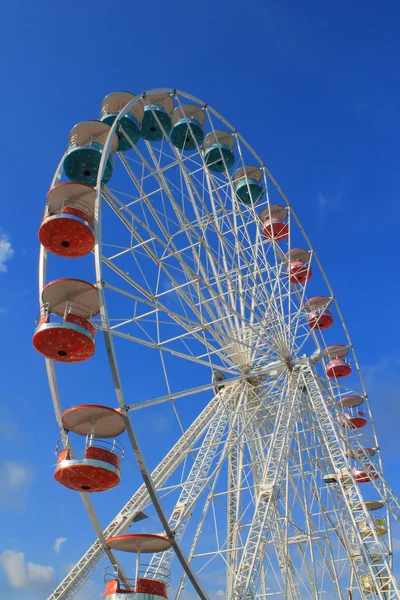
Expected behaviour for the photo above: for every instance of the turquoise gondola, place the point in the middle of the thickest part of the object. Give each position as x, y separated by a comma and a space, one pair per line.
218, 151
129, 124
157, 117
187, 131
86, 143
248, 188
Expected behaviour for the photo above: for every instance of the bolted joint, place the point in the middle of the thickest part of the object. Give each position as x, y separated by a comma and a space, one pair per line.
217, 378
180, 507
269, 491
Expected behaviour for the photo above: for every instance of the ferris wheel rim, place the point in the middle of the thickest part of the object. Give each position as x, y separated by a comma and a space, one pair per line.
333, 300
107, 150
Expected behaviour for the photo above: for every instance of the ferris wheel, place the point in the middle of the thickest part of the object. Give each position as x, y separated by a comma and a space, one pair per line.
199, 287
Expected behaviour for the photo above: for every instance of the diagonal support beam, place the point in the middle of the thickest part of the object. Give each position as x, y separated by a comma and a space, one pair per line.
247, 577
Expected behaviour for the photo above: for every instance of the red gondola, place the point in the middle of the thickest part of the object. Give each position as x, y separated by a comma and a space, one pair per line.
274, 222
71, 339
337, 367
318, 314
67, 226
298, 270
99, 468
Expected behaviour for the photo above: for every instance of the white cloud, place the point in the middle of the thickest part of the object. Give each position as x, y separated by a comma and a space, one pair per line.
16, 478
58, 543
39, 573
6, 252
22, 575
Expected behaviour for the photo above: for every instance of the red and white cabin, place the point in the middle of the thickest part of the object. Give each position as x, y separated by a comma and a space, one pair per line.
318, 314
298, 269
116, 589
274, 222
151, 582
337, 367
99, 468
364, 476
353, 416
67, 226
71, 339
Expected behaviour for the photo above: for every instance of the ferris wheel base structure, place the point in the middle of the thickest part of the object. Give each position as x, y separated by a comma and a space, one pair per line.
202, 267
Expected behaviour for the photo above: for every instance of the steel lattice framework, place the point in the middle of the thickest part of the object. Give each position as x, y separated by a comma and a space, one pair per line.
259, 495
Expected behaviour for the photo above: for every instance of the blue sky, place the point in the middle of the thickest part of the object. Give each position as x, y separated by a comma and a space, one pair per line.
314, 88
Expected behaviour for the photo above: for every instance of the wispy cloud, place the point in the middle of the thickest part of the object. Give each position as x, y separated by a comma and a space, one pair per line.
8, 429
16, 478
58, 543
25, 575
323, 202
328, 203
6, 252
